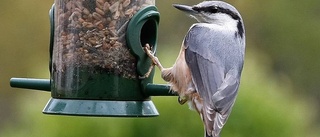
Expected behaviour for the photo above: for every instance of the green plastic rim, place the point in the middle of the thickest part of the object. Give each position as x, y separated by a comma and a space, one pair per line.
100, 108
143, 29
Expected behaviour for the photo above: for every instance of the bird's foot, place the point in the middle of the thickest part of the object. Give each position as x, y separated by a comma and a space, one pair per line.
150, 53
155, 61
182, 100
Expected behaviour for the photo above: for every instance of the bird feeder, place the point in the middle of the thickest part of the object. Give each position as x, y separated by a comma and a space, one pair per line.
97, 59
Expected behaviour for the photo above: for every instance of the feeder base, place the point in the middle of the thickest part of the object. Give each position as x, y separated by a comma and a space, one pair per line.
100, 108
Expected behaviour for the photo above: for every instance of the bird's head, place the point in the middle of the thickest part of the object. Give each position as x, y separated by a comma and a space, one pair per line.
215, 12
211, 12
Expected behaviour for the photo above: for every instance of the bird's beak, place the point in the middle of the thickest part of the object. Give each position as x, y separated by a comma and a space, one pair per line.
185, 8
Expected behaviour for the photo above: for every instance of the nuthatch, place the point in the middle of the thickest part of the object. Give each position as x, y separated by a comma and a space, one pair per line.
208, 69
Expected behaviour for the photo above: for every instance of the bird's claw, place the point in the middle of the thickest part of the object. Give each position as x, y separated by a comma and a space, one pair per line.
148, 73
155, 61
150, 53
147, 48
182, 100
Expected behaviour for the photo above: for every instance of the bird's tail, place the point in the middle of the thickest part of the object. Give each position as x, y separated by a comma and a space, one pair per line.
206, 134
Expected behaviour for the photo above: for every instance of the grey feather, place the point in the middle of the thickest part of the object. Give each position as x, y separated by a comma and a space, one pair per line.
215, 60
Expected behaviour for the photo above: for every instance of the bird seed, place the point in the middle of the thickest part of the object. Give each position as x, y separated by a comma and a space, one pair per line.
91, 34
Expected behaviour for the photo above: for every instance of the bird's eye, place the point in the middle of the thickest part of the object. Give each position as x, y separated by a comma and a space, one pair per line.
210, 9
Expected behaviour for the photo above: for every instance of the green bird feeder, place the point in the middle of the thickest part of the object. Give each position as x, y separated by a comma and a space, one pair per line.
97, 59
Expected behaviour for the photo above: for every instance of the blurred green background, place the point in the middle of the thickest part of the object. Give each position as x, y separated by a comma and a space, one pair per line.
278, 97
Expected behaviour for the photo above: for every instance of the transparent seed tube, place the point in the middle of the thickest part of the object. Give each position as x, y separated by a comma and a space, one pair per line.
89, 43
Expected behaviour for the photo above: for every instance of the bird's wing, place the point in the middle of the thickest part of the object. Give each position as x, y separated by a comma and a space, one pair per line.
215, 79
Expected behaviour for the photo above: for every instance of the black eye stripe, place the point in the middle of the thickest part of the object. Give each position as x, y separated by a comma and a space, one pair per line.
240, 31
210, 9
215, 9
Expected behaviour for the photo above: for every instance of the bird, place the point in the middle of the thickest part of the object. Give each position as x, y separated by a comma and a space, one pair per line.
207, 71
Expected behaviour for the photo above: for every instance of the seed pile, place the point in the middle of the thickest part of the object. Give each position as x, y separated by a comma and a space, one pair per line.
91, 33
